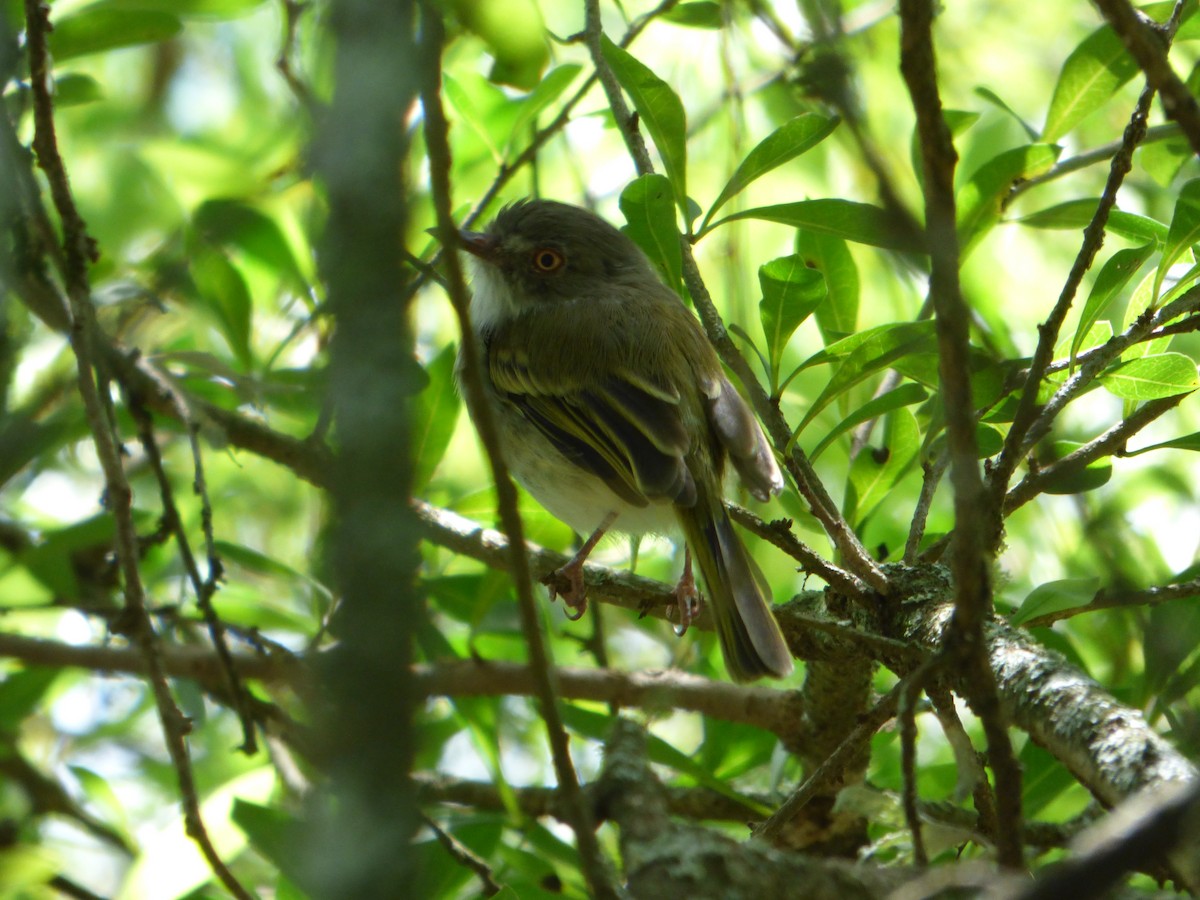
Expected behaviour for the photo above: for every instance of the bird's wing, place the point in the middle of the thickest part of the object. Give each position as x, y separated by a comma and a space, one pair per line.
625, 426
743, 439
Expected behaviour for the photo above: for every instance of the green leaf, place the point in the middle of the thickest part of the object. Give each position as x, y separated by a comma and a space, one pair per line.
272, 832
53, 559
549, 89
700, 14
860, 223
75, 89
435, 414
875, 471
258, 562
170, 864
997, 101
791, 291
659, 108
785, 143
1187, 442
649, 211
1055, 596
515, 34
101, 27
829, 255
1151, 377
223, 292
877, 350
239, 224
1091, 75
24, 690
1185, 231
1113, 277
957, 121
200, 9
982, 198
1076, 214
905, 395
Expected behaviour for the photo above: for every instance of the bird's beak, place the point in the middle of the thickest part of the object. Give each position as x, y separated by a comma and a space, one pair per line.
478, 244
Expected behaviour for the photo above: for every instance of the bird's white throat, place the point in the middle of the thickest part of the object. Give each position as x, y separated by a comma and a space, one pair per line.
492, 300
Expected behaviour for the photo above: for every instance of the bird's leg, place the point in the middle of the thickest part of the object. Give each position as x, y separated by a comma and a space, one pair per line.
567, 581
686, 595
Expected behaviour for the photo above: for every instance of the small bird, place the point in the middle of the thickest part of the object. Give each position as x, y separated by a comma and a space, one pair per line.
614, 412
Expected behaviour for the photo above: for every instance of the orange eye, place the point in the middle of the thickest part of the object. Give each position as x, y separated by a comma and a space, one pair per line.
547, 260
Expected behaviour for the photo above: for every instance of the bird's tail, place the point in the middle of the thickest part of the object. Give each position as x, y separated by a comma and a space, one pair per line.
751, 642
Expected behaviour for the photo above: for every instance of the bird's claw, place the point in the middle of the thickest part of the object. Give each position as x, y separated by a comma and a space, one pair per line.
567, 582
687, 602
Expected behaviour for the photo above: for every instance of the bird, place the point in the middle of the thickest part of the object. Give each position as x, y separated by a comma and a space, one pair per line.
614, 412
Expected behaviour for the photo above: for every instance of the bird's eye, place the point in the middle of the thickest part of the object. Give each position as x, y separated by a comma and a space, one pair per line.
547, 260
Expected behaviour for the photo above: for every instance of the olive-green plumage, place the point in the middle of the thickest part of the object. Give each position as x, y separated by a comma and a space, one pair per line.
610, 400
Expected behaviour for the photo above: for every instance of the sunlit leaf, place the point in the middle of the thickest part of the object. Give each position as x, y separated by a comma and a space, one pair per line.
1075, 215
1184, 232
982, 198
1113, 277
880, 349
170, 864
549, 89
649, 211
860, 223
904, 395
997, 101
660, 110
200, 9
1186, 442
239, 224
791, 291
100, 27
1090, 76
785, 143
1055, 596
698, 14
1151, 377
957, 121
829, 255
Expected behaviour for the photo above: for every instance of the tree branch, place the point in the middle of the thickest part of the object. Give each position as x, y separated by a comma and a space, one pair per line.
595, 866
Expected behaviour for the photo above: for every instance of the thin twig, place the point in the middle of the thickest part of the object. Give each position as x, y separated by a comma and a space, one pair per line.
1015, 446
1153, 135
906, 716
292, 11
832, 768
1149, 46
594, 865
1099, 359
934, 469
203, 587
973, 596
78, 250
466, 857
779, 534
1107, 598
1107, 444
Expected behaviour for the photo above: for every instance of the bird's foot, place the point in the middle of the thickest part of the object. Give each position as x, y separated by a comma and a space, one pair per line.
567, 582
687, 598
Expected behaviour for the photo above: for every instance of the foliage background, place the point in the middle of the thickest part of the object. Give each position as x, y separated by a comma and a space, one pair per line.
190, 157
